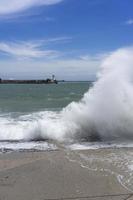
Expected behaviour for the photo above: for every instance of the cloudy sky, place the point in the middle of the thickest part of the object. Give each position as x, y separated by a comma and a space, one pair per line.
68, 38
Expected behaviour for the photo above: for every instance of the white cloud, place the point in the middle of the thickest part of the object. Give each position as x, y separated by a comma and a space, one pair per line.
95, 57
26, 50
68, 69
14, 6
58, 40
129, 22
46, 62
31, 49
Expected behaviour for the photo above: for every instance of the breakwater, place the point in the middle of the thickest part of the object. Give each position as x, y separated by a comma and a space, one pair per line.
47, 81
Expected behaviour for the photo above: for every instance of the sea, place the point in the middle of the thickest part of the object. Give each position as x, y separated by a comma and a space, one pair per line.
23, 99
55, 117
74, 115
22, 106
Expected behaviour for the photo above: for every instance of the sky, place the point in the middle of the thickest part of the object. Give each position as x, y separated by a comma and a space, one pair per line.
68, 38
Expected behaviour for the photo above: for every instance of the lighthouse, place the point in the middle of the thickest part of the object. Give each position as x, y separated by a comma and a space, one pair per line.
53, 78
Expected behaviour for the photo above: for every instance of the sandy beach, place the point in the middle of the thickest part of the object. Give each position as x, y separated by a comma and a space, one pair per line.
65, 174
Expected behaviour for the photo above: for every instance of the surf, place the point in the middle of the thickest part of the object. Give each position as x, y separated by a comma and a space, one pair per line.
105, 113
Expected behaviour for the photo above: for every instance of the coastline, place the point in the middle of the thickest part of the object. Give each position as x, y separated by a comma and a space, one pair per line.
65, 174
47, 81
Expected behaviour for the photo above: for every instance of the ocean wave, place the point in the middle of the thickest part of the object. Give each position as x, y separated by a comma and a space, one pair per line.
105, 113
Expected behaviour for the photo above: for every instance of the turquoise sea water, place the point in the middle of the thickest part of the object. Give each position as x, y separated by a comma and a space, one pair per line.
28, 112
35, 117
33, 98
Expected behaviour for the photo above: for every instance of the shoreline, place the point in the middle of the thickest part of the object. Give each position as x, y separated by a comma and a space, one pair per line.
65, 174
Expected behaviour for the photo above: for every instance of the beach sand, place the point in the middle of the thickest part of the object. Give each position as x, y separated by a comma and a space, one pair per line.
66, 174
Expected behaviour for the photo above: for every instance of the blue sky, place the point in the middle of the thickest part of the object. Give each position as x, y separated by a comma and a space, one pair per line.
68, 38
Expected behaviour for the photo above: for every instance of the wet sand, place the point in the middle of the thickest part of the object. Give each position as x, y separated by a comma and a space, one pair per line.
104, 174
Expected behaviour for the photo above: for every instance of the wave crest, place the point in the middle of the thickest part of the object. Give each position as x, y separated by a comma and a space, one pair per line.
104, 113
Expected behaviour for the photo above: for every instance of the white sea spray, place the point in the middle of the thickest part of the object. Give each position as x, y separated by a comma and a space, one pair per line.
105, 112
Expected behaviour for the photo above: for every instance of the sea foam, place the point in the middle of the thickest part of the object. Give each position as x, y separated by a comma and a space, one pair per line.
104, 113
